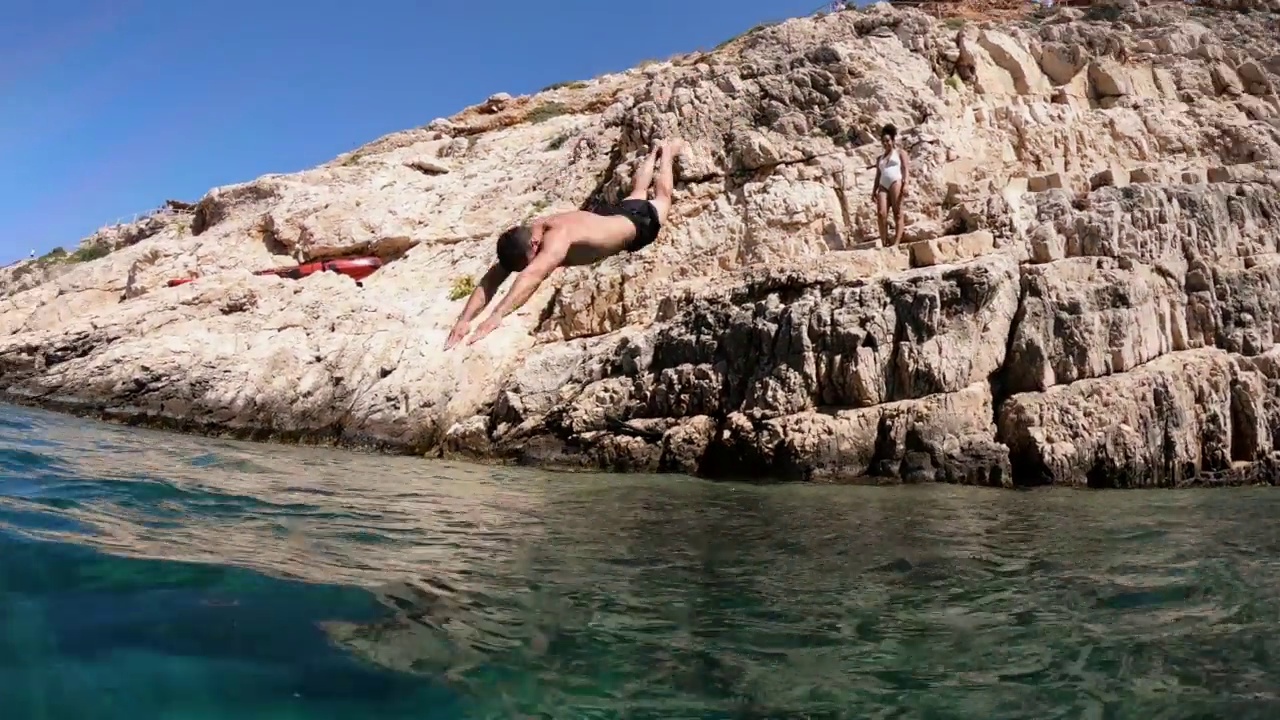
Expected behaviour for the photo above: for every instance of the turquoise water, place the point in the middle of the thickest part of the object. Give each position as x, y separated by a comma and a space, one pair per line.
145, 575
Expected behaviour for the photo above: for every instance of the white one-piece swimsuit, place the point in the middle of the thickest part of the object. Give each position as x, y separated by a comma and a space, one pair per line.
890, 169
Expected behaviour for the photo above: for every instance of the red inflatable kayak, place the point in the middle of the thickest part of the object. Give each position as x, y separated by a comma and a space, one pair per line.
357, 269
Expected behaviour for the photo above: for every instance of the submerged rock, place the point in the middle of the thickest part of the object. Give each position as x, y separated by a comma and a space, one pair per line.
1089, 294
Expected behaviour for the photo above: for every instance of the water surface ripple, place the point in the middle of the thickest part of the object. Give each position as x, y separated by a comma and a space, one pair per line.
153, 575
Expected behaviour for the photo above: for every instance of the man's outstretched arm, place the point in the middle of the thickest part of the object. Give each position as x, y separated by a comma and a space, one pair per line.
480, 297
554, 248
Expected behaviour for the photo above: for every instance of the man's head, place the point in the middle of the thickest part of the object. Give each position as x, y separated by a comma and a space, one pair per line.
888, 134
516, 247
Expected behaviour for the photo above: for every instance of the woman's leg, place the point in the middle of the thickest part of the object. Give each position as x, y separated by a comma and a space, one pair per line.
895, 202
882, 215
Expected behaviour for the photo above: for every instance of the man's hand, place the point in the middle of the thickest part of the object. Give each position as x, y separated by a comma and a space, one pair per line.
480, 297
458, 332
489, 325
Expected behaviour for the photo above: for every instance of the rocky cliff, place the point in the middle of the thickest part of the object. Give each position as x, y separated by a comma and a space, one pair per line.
1089, 294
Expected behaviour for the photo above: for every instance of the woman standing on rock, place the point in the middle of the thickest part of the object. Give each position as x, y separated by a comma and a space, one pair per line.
890, 186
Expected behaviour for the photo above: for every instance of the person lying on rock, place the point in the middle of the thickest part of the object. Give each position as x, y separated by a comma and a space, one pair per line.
890, 187
578, 237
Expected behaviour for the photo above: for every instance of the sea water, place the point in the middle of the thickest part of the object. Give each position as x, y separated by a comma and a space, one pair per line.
148, 575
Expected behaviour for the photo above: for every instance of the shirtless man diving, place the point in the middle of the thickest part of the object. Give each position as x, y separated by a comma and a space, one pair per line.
578, 237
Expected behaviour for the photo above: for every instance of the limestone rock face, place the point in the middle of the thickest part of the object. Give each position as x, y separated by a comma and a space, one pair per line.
1088, 293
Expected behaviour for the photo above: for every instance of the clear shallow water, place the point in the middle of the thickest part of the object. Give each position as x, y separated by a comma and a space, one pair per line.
145, 575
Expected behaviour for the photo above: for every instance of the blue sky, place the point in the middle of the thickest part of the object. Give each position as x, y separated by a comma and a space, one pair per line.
113, 106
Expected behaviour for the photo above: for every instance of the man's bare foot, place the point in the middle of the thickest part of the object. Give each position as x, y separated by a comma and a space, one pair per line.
675, 146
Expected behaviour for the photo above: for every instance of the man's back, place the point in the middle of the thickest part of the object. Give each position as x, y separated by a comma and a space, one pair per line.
590, 237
